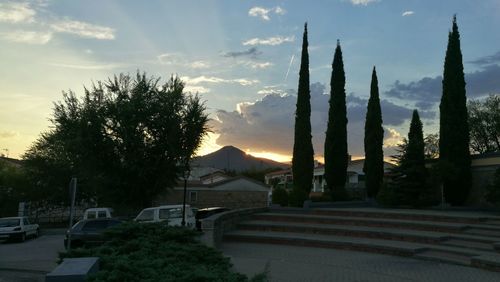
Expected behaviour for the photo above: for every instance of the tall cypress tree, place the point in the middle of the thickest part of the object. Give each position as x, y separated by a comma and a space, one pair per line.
454, 127
374, 138
303, 153
336, 157
412, 188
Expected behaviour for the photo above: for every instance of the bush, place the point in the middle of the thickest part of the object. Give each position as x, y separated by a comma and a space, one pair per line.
338, 195
280, 197
155, 252
297, 197
387, 196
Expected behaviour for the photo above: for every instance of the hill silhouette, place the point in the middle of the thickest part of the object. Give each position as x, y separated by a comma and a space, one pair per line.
234, 159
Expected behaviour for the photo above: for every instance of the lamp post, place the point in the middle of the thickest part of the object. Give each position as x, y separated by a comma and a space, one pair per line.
186, 176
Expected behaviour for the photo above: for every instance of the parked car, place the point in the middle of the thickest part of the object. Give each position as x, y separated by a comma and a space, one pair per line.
171, 214
97, 213
89, 232
18, 228
206, 212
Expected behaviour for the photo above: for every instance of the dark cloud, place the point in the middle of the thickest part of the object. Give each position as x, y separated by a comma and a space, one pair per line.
426, 93
487, 60
268, 123
252, 52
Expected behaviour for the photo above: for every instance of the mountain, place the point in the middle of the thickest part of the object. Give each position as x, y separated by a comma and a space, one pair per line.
232, 158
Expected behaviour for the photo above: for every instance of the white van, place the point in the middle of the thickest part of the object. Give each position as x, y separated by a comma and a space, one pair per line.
97, 213
172, 214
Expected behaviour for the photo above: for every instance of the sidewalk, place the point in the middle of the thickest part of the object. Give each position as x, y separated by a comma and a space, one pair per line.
290, 263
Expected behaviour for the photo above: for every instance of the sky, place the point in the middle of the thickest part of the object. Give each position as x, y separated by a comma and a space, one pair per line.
243, 58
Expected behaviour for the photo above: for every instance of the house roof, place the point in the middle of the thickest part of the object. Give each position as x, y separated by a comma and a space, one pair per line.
214, 186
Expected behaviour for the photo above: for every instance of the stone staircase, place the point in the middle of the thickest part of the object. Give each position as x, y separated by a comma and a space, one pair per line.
464, 238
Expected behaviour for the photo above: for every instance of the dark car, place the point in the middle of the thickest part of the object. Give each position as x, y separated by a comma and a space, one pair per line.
89, 232
206, 212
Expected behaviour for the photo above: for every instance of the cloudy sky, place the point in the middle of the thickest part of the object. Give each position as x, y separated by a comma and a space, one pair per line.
243, 58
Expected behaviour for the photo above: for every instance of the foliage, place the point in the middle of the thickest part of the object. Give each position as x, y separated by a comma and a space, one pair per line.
387, 196
411, 182
303, 153
431, 146
374, 139
155, 252
14, 188
126, 140
280, 197
454, 127
336, 157
297, 197
484, 123
493, 190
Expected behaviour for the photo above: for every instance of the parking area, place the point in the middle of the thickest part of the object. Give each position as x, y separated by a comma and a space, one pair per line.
30, 260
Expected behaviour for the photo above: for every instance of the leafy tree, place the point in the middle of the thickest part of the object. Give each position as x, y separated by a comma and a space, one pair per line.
431, 149
336, 157
484, 122
454, 127
303, 153
14, 188
126, 141
374, 138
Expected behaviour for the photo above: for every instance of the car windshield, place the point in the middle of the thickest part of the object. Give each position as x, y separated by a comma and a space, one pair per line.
9, 222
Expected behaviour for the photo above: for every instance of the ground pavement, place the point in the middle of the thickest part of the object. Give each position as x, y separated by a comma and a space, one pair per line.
31, 260
293, 263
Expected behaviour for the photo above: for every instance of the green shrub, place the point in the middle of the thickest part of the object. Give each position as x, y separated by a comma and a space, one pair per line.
297, 197
155, 252
324, 197
387, 196
280, 197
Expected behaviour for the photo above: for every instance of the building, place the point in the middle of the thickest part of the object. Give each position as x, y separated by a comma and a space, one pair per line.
483, 167
217, 189
355, 183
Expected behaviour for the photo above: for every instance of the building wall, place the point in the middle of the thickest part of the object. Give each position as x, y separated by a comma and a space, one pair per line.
215, 198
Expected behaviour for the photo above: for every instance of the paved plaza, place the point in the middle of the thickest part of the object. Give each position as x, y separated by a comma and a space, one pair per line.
293, 263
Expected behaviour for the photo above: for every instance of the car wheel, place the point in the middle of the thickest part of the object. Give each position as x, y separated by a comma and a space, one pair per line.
37, 233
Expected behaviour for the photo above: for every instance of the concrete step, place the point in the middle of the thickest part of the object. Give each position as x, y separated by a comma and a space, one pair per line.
443, 256
488, 247
429, 237
486, 220
343, 230
412, 214
325, 241
364, 221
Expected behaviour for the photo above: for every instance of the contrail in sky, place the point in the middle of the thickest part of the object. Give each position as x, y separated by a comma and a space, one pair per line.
289, 66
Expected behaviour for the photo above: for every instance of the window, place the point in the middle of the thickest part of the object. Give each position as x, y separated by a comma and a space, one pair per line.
193, 196
164, 213
25, 221
101, 214
175, 213
91, 214
146, 215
